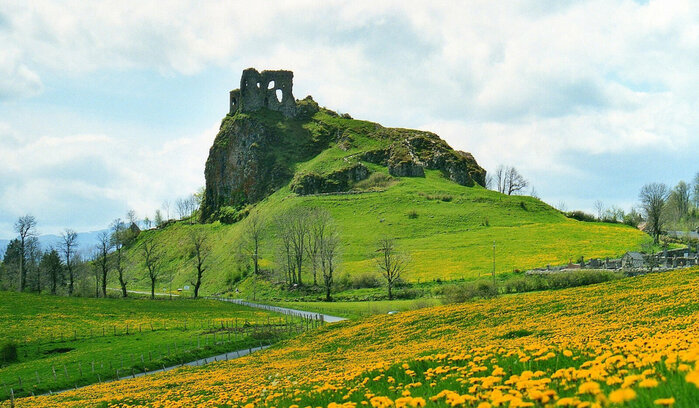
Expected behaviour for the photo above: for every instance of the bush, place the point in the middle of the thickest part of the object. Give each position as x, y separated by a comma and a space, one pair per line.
230, 215
412, 214
467, 291
366, 280
581, 216
375, 180
408, 294
8, 352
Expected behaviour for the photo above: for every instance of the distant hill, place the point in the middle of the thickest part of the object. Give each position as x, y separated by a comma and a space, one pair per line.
86, 240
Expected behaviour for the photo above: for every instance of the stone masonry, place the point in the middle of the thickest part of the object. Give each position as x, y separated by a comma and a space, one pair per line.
266, 89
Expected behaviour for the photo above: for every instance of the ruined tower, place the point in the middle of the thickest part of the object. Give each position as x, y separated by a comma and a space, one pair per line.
266, 89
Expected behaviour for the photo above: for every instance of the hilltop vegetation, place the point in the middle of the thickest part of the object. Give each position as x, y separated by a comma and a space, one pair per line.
630, 342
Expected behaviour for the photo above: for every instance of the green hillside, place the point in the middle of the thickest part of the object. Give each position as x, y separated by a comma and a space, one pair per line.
447, 229
62, 342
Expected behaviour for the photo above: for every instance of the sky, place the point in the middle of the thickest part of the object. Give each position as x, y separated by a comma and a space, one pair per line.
112, 105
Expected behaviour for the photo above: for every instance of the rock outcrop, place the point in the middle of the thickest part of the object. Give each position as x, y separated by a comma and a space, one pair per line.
268, 136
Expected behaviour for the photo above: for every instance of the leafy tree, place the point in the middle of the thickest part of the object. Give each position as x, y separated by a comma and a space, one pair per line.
69, 246
653, 197
53, 268
390, 262
680, 200
25, 227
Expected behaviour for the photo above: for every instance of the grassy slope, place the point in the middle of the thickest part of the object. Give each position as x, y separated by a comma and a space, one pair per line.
42, 324
447, 240
639, 335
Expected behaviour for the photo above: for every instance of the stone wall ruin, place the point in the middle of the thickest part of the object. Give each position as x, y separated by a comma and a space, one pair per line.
266, 89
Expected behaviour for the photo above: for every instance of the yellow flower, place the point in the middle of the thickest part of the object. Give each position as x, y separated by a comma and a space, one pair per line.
648, 383
666, 402
622, 395
589, 387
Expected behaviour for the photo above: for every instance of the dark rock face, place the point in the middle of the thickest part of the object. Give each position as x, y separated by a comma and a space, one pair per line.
240, 168
337, 181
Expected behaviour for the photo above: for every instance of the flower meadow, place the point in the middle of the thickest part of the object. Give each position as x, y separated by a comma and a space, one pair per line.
632, 342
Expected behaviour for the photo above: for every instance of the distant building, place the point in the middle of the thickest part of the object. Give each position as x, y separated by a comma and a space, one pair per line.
633, 260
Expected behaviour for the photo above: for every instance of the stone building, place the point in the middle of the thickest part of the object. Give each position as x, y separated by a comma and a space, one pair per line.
266, 89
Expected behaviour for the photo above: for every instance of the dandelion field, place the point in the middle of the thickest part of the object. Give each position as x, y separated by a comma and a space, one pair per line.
631, 342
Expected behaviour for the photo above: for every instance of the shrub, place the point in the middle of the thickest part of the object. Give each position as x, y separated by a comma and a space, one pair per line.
408, 293
412, 214
581, 216
8, 352
230, 215
470, 290
366, 280
375, 180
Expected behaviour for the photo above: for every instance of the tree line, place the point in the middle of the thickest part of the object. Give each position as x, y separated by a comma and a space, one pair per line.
307, 243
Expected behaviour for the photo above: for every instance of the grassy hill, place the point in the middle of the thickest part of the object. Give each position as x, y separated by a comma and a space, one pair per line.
63, 342
447, 229
451, 237
631, 342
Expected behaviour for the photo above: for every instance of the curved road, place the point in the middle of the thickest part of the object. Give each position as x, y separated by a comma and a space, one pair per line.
285, 310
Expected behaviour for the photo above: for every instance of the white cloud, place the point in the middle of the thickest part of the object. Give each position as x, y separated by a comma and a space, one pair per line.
527, 83
85, 180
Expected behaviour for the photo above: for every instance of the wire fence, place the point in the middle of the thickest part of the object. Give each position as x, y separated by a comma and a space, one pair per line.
218, 336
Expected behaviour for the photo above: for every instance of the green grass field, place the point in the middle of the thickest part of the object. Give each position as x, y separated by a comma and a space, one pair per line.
64, 342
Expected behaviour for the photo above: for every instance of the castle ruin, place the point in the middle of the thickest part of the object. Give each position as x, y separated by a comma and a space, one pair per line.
266, 89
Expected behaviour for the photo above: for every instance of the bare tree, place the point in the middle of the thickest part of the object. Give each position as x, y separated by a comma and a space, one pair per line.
200, 251
285, 250
96, 267
131, 216
599, 209
118, 238
158, 218
509, 181
515, 182
69, 245
166, 208
254, 228
25, 228
104, 244
653, 197
500, 179
318, 223
152, 260
391, 264
695, 189
329, 247
298, 225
